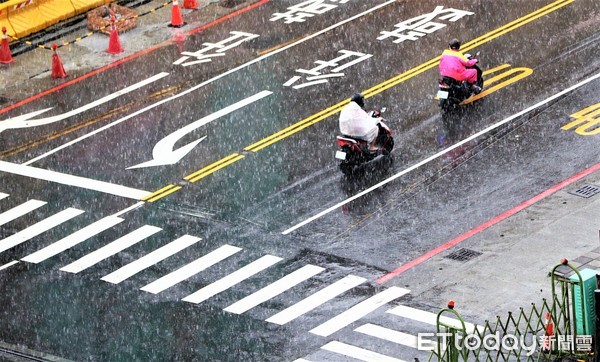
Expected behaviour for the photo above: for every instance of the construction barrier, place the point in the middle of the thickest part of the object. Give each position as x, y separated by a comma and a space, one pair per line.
25, 17
81, 6
4, 23
56, 10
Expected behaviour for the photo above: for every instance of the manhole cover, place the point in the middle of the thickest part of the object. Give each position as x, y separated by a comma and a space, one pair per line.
463, 254
586, 191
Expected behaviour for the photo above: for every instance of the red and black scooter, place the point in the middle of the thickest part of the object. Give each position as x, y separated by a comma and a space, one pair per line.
355, 154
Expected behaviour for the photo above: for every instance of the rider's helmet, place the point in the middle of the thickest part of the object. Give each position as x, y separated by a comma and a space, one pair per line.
358, 99
454, 44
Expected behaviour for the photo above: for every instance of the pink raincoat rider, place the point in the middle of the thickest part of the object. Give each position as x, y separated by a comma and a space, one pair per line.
453, 65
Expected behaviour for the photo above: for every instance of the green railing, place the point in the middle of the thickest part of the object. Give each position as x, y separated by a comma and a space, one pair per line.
542, 332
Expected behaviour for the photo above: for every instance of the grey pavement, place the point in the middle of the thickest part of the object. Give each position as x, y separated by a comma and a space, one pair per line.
517, 253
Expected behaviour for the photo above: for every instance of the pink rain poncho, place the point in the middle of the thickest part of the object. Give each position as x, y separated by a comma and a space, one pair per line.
453, 65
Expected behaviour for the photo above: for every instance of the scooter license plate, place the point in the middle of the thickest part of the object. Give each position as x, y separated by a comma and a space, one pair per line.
442, 94
340, 155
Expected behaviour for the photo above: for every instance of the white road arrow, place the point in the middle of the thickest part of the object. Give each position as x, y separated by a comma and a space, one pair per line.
164, 152
23, 121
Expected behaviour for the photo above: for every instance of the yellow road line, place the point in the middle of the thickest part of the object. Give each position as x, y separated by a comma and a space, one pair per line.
165, 194
524, 72
212, 165
214, 169
157, 192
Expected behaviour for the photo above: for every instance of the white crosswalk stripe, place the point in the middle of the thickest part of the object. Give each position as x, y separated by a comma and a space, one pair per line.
316, 299
388, 334
358, 353
111, 249
428, 317
274, 289
72, 240
232, 279
358, 311
20, 210
38, 228
3, 195
7, 265
191, 269
150, 259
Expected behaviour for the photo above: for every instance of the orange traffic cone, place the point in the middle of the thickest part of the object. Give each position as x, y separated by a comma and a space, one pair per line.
176, 18
114, 44
58, 71
190, 4
5, 54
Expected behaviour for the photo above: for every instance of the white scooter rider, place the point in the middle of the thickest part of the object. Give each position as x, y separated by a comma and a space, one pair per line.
356, 123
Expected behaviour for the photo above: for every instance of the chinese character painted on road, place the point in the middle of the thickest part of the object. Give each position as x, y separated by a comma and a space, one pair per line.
420, 26
316, 76
299, 13
218, 49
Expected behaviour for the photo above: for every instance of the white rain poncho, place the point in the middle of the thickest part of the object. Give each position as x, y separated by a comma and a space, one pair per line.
356, 123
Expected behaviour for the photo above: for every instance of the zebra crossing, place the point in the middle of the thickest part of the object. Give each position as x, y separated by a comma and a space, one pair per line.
308, 303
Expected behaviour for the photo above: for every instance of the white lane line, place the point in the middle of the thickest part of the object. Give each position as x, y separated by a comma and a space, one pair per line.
316, 299
191, 269
71, 180
7, 265
388, 334
130, 208
20, 210
222, 75
428, 317
3, 195
72, 240
439, 154
358, 311
150, 259
274, 289
232, 279
111, 249
38, 228
24, 121
358, 353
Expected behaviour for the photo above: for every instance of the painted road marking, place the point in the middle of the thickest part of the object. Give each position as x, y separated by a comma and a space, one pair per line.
428, 317
203, 172
7, 265
24, 121
38, 228
209, 81
150, 259
232, 279
82, 182
164, 152
287, 282
72, 240
388, 334
316, 299
111, 249
441, 153
358, 353
358, 311
3, 195
20, 210
587, 121
191, 269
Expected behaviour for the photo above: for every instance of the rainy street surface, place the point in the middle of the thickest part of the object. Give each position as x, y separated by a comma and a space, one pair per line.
192, 208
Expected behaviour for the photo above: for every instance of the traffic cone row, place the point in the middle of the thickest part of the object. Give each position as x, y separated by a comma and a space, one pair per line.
5, 54
58, 71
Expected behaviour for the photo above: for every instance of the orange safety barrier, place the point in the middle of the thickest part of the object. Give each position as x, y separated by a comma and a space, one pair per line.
25, 17
56, 10
4, 20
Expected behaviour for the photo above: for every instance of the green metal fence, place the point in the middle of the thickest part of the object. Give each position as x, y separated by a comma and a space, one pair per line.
543, 332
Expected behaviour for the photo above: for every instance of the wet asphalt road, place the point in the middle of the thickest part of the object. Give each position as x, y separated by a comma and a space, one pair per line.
249, 203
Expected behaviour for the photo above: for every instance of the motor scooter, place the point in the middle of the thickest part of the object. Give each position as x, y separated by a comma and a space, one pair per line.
451, 92
355, 154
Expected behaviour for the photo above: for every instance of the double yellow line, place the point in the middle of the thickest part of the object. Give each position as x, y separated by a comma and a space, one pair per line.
307, 122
